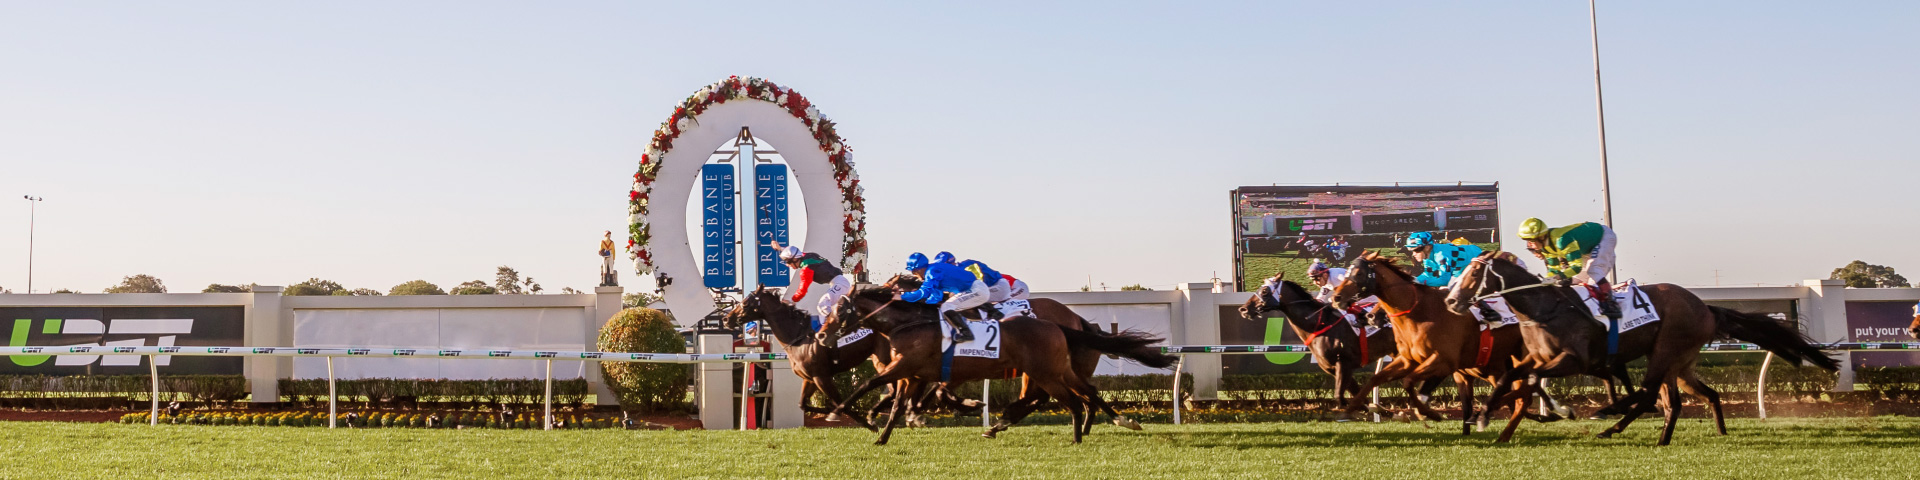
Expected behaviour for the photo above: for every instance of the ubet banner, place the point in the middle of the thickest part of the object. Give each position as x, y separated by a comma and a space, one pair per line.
120, 327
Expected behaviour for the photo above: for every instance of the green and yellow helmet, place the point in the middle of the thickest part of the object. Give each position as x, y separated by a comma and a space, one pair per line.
1532, 228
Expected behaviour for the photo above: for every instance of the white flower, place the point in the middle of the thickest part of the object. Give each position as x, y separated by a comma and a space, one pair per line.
813, 113
685, 124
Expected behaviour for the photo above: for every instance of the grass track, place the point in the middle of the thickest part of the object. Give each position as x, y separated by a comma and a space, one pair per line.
1882, 447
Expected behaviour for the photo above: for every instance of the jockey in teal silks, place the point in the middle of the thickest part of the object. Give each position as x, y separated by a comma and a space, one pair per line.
1441, 261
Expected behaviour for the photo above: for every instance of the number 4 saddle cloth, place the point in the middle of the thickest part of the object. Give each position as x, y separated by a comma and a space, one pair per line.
1635, 310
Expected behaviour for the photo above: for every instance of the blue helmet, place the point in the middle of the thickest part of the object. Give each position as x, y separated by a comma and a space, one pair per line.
944, 257
916, 261
1317, 268
1419, 239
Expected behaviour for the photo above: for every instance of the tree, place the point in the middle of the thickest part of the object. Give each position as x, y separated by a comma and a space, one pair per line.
1865, 275
569, 291
1135, 288
66, 290
644, 387
218, 288
533, 287
141, 283
506, 281
314, 287
4, 290
638, 300
365, 292
416, 287
475, 287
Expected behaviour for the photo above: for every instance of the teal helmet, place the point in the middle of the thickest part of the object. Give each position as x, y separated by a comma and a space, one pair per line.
1419, 239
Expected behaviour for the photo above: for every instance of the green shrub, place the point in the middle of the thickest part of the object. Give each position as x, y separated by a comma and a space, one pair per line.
645, 387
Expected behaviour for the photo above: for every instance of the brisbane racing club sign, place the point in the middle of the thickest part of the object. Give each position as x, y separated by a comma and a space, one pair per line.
105, 329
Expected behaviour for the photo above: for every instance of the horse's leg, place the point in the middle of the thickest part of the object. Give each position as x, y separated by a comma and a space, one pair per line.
892, 372
1690, 382
1029, 401
1671, 391
900, 399
1339, 386
1465, 392
1431, 368
1394, 370
1518, 398
1504, 385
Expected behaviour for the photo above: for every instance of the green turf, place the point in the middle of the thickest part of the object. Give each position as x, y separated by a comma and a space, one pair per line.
1881, 447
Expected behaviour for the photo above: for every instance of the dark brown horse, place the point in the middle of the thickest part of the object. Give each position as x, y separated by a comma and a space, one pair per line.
1036, 349
1336, 347
1085, 361
1432, 341
1563, 339
814, 362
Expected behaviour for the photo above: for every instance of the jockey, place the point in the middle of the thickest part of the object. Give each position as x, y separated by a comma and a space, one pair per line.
1326, 278
810, 269
1580, 253
1004, 287
939, 279
1441, 261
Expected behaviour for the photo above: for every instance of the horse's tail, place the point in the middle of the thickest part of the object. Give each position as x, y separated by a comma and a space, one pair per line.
1781, 339
1130, 344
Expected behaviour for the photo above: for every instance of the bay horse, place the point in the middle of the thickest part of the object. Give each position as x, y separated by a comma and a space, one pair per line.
816, 363
1036, 349
1563, 339
1431, 340
1336, 347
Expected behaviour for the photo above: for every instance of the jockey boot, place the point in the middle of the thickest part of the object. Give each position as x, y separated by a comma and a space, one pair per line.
1488, 316
961, 334
1608, 307
990, 313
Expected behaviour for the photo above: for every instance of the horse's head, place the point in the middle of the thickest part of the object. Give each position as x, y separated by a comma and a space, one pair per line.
861, 308
1474, 283
1362, 281
752, 308
1256, 307
903, 283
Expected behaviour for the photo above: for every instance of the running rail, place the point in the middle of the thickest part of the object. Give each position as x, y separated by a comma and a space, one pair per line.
689, 358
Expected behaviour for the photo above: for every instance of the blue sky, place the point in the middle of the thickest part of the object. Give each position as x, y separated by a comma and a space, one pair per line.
373, 143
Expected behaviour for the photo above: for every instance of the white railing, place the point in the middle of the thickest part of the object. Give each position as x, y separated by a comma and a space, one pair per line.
549, 356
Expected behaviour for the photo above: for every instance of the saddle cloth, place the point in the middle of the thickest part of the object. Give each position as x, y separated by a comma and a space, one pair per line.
1499, 306
855, 337
985, 344
1015, 307
1635, 310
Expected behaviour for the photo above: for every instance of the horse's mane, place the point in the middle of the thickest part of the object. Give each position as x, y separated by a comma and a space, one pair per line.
1296, 290
1393, 264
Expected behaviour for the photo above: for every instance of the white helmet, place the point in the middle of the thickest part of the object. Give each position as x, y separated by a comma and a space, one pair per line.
790, 253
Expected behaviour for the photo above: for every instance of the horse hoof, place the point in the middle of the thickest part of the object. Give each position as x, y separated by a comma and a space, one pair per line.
1126, 423
1604, 435
833, 417
1563, 411
1375, 408
990, 434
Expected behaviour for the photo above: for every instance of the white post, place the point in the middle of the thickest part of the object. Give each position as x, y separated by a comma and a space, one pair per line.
985, 412
1376, 390
1178, 366
333, 404
153, 368
549, 397
746, 394
1761, 397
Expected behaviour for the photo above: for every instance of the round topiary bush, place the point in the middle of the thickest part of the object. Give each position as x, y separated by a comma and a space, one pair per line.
645, 387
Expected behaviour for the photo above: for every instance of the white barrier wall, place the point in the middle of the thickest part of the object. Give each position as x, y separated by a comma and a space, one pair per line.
462, 328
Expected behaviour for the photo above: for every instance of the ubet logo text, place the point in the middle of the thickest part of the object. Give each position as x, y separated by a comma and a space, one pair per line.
93, 333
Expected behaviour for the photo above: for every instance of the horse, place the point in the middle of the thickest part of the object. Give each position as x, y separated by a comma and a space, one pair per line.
1339, 351
817, 363
1432, 341
1036, 349
1052, 311
1914, 329
1563, 339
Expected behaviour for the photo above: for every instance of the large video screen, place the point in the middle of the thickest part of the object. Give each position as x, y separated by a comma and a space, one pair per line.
1287, 228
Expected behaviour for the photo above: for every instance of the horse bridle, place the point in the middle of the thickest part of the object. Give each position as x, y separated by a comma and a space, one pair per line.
1486, 265
1321, 324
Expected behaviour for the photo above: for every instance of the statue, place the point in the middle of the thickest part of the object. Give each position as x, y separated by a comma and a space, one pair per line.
607, 276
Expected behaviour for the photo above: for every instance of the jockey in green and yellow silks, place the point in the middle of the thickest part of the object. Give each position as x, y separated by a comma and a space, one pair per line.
1580, 253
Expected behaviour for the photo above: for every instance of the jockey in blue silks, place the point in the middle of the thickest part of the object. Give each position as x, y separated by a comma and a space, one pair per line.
1441, 261
939, 279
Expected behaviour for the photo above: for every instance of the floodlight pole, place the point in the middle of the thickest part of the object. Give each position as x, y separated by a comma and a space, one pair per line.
33, 210
1600, 109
